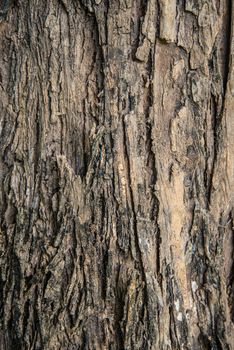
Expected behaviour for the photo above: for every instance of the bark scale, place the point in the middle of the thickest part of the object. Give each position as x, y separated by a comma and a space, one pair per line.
117, 169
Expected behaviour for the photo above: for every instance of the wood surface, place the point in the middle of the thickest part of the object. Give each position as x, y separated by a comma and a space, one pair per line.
116, 174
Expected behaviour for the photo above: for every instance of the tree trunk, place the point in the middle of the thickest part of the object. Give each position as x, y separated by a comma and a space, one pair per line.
117, 174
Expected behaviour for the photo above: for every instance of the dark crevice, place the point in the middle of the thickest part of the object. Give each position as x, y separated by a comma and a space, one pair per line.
151, 162
215, 128
119, 314
73, 316
26, 317
46, 280
104, 267
85, 153
99, 64
83, 341
38, 133
145, 292
158, 19
87, 6
64, 6
136, 26
230, 276
107, 6
36, 322
226, 43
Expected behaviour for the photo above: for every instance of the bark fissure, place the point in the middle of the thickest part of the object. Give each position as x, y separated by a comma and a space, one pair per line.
116, 175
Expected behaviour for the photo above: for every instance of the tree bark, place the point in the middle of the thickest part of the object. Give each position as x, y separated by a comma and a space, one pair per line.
116, 174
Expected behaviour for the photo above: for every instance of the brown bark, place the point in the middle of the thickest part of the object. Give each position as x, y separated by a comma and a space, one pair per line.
117, 174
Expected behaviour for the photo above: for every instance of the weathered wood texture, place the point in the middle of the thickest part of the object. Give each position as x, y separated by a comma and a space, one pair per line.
116, 174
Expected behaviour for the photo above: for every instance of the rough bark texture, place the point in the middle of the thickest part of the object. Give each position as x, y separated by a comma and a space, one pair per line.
116, 174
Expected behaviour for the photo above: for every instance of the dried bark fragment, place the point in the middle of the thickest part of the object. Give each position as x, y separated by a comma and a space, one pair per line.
116, 175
